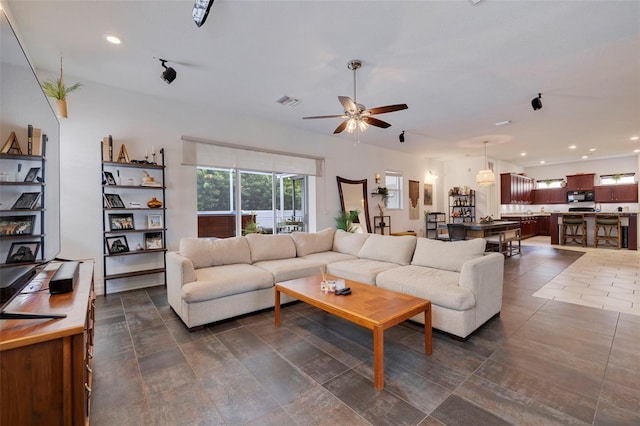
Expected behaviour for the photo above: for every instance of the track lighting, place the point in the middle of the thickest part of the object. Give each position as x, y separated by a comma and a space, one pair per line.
401, 137
536, 103
169, 74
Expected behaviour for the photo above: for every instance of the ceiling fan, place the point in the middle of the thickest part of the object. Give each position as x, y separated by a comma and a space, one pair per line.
356, 116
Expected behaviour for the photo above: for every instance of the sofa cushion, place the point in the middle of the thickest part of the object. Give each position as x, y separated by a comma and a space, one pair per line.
447, 255
270, 247
204, 252
348, 242
221, 281
329, 257
289, 269
437, 285
361, 270
317, 242
389, 248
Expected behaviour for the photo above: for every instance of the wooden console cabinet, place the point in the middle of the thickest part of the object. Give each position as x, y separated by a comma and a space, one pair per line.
45, 364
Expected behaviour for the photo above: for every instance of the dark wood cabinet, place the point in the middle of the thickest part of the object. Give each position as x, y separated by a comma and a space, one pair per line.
625, 193
528, 225
549, 196
515, 189
581, 182
544, 225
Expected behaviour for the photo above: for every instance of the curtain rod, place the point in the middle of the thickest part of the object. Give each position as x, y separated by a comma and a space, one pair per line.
249, 148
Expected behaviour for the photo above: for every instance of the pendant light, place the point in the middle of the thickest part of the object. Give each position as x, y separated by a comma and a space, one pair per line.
485, 177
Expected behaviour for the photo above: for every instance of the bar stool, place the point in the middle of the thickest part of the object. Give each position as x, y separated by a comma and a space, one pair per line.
608, 223
574, 228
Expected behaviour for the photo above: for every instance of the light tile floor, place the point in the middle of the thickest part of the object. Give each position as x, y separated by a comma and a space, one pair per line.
603, 278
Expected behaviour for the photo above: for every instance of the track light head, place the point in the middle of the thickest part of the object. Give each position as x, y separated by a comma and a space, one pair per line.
169, 74
401, 137
536, 103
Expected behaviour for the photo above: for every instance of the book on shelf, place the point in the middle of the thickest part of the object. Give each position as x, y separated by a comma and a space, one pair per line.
36, 142
107, 148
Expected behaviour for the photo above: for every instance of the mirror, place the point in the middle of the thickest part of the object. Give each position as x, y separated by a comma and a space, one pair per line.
24, 103
353, 196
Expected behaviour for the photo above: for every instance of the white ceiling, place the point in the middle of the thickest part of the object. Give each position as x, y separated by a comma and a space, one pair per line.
461, 67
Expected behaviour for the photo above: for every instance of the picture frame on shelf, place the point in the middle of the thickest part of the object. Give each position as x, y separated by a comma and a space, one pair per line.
119, 221
23, 252
154, 221
17, 225
117, 244
109, 179
113, 201
32, 174
153, 240
26, 201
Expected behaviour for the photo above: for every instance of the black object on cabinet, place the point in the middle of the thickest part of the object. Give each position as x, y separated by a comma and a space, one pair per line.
148, 239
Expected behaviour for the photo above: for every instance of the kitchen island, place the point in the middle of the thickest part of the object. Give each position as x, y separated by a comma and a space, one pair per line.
629, 223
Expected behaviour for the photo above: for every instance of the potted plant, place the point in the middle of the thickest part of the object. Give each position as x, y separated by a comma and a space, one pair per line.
58, 91
345, 220
384, 194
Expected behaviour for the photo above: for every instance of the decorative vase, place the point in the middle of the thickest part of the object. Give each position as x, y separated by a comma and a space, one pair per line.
154, 203
62, 108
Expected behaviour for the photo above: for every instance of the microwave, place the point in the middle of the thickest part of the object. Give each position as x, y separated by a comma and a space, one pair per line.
579, 196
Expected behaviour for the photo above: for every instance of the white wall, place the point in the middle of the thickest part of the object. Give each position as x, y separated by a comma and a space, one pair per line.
140, 121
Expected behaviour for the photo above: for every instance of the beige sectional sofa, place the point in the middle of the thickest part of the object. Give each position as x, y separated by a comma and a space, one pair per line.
213, 279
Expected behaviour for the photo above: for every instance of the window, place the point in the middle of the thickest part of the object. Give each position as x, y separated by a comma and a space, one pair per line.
617, 178
268, 200
549, 183
393, 182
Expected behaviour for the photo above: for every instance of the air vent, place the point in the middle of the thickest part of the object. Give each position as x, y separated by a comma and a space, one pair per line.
288, 101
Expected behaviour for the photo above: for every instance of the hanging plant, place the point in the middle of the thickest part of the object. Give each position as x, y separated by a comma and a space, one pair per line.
58, 91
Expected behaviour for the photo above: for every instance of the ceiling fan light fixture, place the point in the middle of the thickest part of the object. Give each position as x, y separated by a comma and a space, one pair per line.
351, 125
362, 125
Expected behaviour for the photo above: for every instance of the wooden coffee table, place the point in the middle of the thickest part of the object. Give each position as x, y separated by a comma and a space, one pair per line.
372, 307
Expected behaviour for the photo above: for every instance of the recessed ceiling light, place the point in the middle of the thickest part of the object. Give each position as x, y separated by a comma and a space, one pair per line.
584, 157
523, 154
634, 138
542, 162
503, 123
636, 150
572, 147
113, 39
592, 149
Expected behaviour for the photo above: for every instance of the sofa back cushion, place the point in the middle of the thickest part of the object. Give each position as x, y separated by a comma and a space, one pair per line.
446, 255
271, 247
205, 252
387, 248
348, 242
309, 243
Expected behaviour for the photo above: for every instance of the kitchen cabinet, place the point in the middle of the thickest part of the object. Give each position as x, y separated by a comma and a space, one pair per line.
528, 225
581, 182
625, 193
549, 196
515, 188
544, 223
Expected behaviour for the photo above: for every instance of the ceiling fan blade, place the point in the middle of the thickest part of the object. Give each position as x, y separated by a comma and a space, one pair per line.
388, 108
325, 116
341, 127
348, 104
375, 122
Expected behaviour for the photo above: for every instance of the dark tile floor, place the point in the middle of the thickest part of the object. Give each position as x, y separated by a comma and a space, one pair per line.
540, 363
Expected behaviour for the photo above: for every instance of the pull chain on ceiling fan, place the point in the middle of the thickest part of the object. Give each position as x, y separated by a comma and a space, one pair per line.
356, 116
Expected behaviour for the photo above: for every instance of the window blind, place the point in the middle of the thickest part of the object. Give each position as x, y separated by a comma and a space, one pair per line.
208, 153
